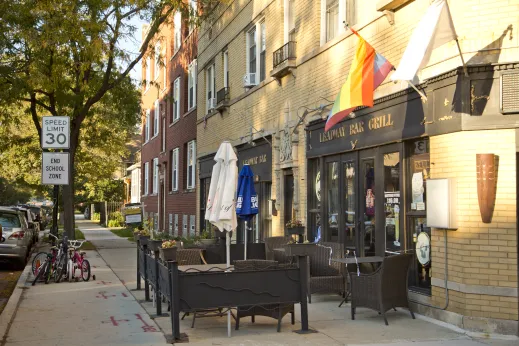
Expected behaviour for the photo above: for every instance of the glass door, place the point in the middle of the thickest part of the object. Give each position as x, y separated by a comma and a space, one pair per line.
349, 206
333, 203
367, 206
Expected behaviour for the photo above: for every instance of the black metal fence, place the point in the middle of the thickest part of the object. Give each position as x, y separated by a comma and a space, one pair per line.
193, 290
288, 51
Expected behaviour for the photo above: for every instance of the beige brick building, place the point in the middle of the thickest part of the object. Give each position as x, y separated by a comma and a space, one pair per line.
344, 184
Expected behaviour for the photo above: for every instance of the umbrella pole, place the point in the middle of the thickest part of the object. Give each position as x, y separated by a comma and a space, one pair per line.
245, 241
228, 249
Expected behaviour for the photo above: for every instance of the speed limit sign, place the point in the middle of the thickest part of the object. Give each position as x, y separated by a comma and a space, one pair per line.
55, 132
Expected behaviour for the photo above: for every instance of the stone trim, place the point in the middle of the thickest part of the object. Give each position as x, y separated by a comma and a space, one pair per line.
476, 289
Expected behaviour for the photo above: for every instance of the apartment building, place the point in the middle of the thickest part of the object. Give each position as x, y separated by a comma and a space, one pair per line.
169, 128
268, 73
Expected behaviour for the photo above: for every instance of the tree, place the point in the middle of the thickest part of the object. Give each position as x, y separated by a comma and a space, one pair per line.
64, 56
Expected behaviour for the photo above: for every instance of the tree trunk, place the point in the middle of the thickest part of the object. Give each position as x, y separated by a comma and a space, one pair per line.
68, 194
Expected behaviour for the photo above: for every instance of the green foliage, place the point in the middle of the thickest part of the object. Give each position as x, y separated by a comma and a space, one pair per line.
123, 232
96, 217
162, 236
13, 193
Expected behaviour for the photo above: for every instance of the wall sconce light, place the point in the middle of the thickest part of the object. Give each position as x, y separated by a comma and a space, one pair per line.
486, 175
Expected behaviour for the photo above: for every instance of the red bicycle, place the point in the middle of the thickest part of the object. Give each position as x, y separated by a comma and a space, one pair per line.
77, 261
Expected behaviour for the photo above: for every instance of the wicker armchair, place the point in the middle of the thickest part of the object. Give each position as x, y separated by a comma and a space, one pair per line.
326, 277
189, 256
277, 311
272, 243
384, 289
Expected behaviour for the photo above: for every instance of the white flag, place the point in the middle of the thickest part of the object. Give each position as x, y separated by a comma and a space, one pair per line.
435, 29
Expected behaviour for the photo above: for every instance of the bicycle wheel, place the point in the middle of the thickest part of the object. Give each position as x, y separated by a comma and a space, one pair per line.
38, 261
48, 272
61, 266
42, 270
85, 270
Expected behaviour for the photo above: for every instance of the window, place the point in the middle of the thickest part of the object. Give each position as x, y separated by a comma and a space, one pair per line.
193, 5
191, 103
251, 36
175, 111
263, 48
155, 175
156, 118
333, 15
156, 71
174, 169
147, 77
163, 135
147, 125
289, 20
146, 178
177, 23
226, 69
210, 87
191, 163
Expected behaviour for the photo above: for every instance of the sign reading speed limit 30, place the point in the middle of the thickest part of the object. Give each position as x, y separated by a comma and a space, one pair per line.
55, 132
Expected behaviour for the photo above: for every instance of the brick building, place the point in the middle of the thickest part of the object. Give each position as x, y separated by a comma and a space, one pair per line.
169, 128
268, 72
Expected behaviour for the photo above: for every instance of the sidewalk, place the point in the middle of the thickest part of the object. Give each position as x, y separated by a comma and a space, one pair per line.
100, 312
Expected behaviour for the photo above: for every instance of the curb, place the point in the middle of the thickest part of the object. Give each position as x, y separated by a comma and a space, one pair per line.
7, 316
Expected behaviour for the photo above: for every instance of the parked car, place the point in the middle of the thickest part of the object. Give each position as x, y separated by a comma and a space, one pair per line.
16, 238
33, 225
40, 215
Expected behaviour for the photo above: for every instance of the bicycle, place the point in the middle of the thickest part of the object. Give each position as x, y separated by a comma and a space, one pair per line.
42, 257
61, 261
77, 261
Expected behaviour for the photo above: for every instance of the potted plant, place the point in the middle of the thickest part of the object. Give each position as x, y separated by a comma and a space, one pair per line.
142, 236
155, 243
168, 251
206, 239
295, 227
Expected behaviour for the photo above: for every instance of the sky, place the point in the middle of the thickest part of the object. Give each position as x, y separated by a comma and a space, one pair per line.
132, 45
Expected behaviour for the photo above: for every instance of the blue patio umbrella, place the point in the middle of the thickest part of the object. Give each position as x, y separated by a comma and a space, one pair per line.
246, 199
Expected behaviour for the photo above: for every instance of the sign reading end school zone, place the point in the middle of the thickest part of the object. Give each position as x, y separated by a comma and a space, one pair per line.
54, 168
55, 132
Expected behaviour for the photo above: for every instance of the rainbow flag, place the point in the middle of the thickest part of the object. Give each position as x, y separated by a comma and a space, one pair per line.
368, 70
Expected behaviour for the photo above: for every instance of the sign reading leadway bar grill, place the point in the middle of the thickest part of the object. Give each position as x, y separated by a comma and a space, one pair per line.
390, 124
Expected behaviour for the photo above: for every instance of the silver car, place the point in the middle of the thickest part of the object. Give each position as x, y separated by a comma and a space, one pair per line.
16, 237
33, 224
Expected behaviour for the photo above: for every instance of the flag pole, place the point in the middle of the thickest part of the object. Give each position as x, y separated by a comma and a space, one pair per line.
422, 95
462, 60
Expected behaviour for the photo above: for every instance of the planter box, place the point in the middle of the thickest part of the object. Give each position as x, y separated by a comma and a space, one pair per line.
154, 245
144, 240
168, 254
300, 249
296, 231
208, 241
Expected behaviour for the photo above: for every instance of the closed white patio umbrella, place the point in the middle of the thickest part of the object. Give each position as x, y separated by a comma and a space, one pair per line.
221, 202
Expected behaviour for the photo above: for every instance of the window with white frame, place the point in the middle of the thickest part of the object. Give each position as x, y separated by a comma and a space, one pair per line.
191, 164
148, 72
146, 178
289, 16
147, 126
156, 118
158, 55
210, 86
177, 23
263, 51
174, 169
226, 69
334, 13
176, 100
155, 175
191, 85
193, 5
251, 44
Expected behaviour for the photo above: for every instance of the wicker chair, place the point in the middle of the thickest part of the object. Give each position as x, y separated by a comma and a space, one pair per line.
277, 311
326, 277
189, 257
384, 289
272, 243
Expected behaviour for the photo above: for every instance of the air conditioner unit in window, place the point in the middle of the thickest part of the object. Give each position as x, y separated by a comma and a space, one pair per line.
249, 80
211, 104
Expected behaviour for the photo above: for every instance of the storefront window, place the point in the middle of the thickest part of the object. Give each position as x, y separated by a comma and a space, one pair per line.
349, 205
314, 201
369, 207
392, 202
333, 201
205, 226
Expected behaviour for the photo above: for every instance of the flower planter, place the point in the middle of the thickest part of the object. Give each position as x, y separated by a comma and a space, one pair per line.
208, 241
296, 231
305, 249
143, 239
154, 245
168, 254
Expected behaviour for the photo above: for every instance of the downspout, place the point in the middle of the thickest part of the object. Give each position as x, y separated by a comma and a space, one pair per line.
445, 284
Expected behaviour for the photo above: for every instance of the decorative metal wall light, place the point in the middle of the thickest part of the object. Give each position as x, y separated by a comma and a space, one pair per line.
486, 173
